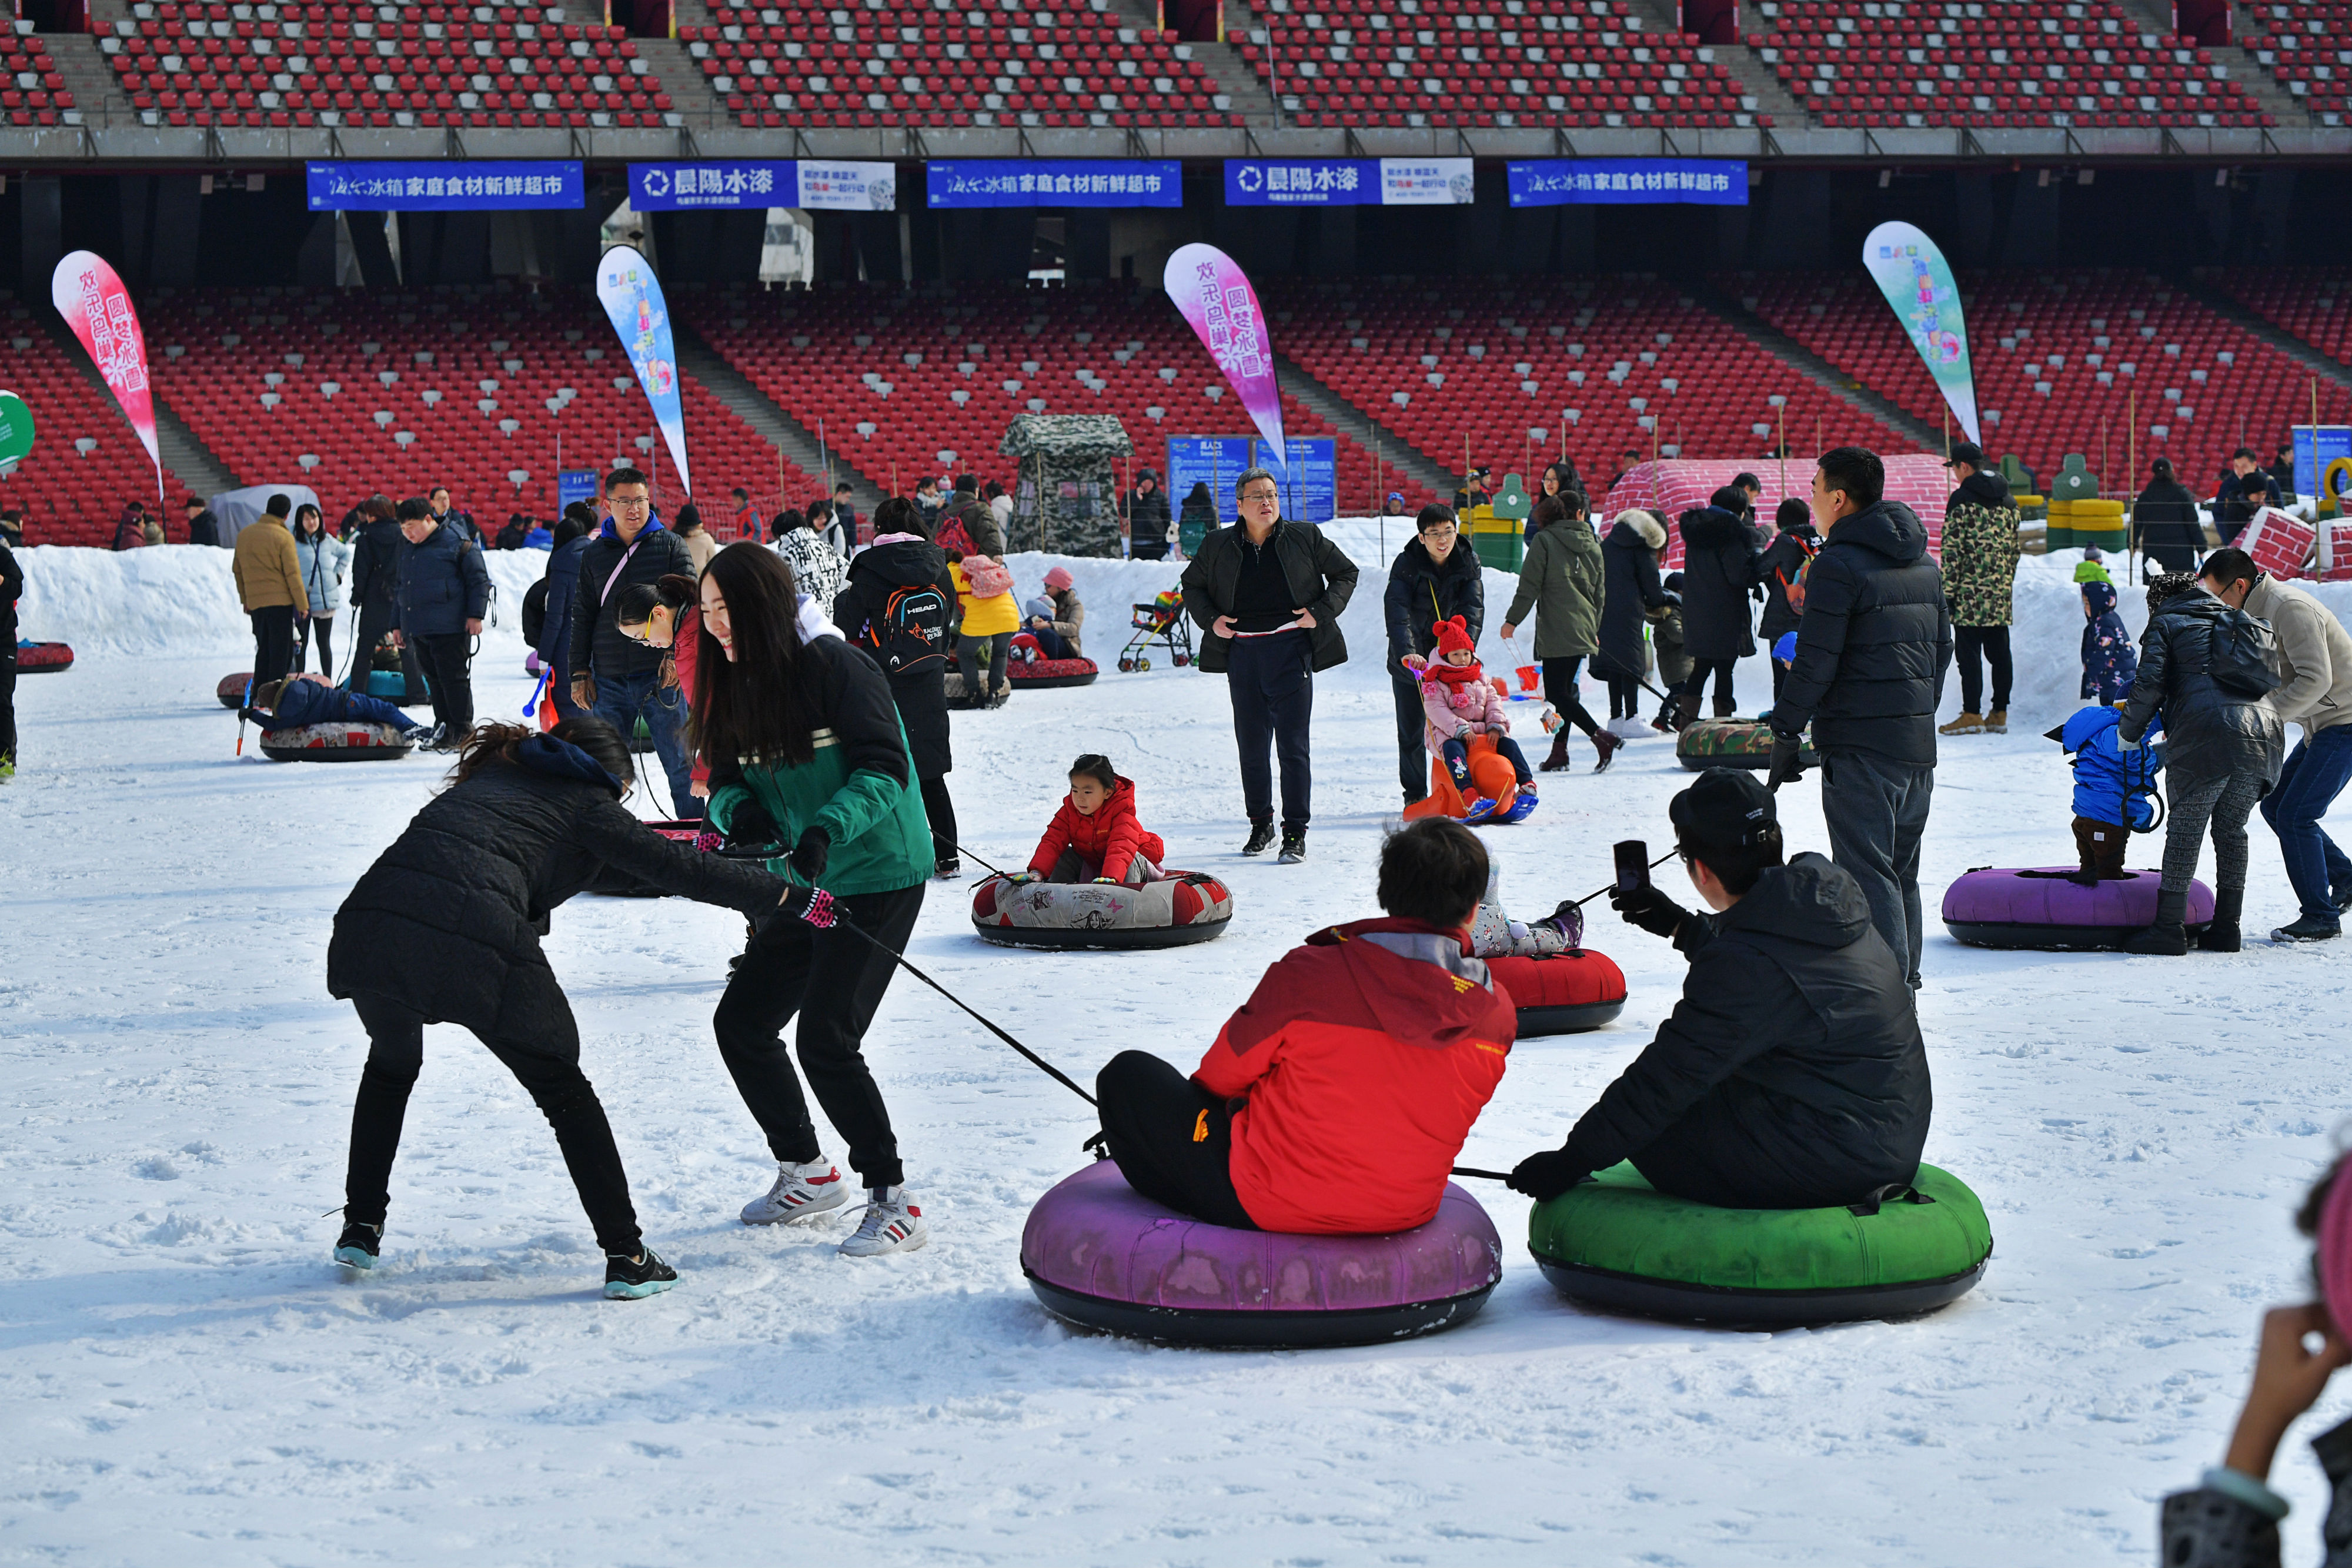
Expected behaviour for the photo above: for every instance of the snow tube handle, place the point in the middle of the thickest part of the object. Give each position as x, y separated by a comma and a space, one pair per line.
1893, 1192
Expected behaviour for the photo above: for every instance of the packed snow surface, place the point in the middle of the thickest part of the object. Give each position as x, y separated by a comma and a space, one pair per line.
183, 1376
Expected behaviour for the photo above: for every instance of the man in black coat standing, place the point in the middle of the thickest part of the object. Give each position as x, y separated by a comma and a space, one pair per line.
204, 528
376, 575
1719, 575
617, 680
1873, 647
1269, 592
2244, 490
1147, 519
443, 594
1791, 1073
1435, 577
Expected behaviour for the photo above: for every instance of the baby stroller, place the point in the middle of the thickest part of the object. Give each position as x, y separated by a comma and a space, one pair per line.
1161, 620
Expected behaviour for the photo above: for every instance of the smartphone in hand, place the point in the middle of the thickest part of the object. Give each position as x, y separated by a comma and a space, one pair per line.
1632, 865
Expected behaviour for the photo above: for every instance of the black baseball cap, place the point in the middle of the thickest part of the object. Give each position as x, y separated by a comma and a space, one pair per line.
1967, 452
1727, 807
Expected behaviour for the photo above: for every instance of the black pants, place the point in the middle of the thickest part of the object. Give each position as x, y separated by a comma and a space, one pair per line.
448, 661
1272, 683
1624, 697
1173, 1140
8, 699
1560, 690
1779, 675
375, 620
1992, 642
833, 980
273, 643
551, 1074
322, 627
1696, 687
941, 813
1412, 757
1712, 1154
979, 689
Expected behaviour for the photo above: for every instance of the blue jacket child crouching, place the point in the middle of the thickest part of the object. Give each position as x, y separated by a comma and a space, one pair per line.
2110, 663
2113, 788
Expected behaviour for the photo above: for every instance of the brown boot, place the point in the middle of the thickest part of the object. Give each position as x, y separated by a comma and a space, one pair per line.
1725, 707
1606, 744
1966, 723
1559, 758
1996, 722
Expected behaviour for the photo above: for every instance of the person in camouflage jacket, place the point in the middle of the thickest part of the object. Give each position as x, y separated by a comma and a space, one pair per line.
1979, 561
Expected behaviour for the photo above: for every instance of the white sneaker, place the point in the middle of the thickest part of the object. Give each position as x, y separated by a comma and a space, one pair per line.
799, 1191
892, 1224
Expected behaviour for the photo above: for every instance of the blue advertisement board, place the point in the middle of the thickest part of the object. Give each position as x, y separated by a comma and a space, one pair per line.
716, 185
1216, 461
1575, 181
474, 186
1302, 182
1311, 479
575, 485
2316, 446
1053, 183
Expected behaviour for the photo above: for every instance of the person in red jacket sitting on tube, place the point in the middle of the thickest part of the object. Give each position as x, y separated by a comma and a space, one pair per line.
1335, 1101
1096, 836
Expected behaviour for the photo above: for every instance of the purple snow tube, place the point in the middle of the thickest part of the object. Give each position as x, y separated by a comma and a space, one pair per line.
1103, 1256
2046, 908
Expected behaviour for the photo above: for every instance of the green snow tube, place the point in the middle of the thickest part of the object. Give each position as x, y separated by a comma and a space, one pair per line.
1619, 1244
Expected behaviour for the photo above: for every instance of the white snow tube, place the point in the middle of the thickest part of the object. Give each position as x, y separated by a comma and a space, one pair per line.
343, 740
1183, 906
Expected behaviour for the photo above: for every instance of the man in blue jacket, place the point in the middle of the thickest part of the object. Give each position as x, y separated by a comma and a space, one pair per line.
443, 593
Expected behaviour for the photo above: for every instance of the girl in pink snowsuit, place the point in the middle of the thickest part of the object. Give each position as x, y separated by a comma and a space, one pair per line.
1457, 702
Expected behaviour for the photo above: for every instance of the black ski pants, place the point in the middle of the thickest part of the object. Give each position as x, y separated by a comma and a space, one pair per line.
1173, 1140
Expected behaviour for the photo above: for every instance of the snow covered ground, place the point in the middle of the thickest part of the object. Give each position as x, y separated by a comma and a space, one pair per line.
183, 1376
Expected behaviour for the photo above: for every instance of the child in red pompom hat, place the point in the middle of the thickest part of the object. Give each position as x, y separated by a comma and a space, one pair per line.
1457, 702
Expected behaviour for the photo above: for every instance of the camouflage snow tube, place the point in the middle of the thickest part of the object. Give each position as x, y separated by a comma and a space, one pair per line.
1182, 907
1732, 743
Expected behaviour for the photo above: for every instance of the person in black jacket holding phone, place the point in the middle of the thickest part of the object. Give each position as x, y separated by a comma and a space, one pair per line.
444, 927
1269, 592
1792, 1074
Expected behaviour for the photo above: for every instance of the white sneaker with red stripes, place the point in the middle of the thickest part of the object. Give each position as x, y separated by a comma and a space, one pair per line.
799, 1191
892, 1224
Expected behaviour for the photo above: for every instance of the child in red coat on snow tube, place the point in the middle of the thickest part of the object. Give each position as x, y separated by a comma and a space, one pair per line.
1336, 1101
1095, 836
1457, 701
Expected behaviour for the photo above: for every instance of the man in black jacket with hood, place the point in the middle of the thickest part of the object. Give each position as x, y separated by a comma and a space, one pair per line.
1872, 650
1792, 1074
1269, 592
1435, 577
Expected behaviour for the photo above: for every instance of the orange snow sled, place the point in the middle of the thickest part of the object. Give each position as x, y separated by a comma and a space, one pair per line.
1492, 778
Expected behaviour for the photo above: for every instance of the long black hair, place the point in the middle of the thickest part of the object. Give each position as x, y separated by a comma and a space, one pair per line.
757, 704
636, 603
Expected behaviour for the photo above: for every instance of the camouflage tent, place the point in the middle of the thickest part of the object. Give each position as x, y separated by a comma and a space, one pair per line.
1068, 497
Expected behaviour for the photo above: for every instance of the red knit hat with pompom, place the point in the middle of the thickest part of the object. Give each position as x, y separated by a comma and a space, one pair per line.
1454, 637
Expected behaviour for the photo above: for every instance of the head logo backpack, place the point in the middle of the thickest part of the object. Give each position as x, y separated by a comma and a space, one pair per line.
912, 628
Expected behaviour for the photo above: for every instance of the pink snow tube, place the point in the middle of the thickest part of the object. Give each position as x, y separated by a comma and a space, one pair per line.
1103, 1256
2042, 907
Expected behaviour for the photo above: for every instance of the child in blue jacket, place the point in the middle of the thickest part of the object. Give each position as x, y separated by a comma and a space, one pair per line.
313, 699
2113, 788
2110, 663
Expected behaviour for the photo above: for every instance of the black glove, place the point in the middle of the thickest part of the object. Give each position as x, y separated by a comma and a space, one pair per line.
1545, 1175
809, 856
751, 824
1787, 767
1648, 908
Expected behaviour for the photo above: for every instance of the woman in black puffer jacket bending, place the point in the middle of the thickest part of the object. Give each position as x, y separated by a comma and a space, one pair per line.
445, 928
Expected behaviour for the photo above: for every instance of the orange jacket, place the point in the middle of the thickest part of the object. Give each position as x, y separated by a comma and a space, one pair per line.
1113, 836
1365, 1056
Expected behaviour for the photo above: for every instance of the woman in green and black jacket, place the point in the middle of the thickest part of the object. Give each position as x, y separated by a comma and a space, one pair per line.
806, 748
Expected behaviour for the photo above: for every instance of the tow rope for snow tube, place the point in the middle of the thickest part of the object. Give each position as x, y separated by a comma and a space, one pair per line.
1101, 1255
1732, 743
43, 658
1564, 993
1182, 908
231, 690
2043, 907
1617, 1243
620, 885
339, 741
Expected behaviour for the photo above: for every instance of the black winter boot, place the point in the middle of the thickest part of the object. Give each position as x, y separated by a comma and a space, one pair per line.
1725, 707
2166, 938
1559, 758
2221, 936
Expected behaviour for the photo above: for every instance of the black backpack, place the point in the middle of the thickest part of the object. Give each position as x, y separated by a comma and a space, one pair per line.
2242, 655
912, 628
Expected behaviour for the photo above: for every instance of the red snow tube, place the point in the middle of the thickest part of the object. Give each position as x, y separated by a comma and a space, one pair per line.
231, 690
43, 658
339, 741
1034, 675
1564, 994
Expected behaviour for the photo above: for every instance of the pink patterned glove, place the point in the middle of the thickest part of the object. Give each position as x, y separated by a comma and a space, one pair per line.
707, 842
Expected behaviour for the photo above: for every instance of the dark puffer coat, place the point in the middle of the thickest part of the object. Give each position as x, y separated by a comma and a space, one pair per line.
1875, 641
2209, 732
1794, 1051
448, 920
376, 563
921, 694
596, 647
2166, 522
1720, 565
562, 580
2208, 1528
1630, 590
1423, 591
442, 585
